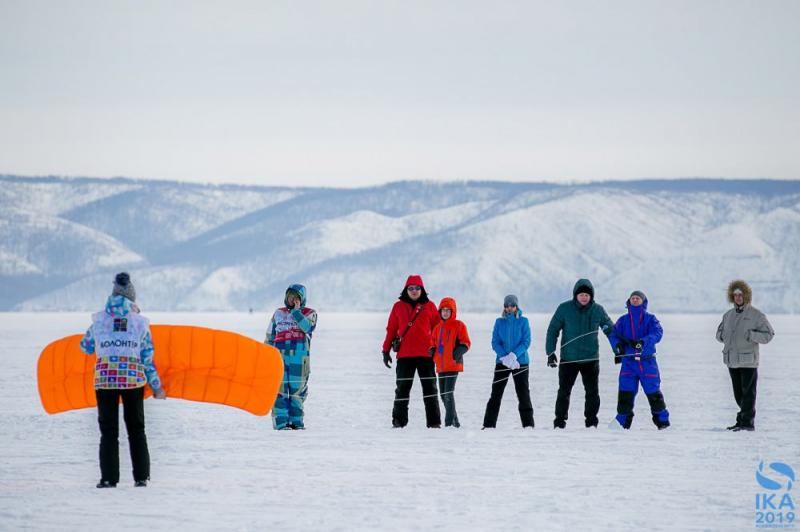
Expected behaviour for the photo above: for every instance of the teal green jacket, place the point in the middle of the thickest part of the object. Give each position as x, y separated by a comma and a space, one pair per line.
572, 320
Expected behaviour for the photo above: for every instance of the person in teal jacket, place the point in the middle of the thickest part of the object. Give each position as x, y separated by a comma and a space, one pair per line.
577, 321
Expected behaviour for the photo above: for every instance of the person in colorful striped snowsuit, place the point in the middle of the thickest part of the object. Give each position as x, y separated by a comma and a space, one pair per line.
290, 331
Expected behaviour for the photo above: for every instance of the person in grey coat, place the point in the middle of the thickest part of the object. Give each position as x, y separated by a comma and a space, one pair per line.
743, 327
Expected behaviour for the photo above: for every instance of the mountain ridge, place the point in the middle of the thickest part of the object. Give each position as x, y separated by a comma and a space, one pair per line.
191, 246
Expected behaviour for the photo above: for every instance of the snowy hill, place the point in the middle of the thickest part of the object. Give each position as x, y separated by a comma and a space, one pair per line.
206, 247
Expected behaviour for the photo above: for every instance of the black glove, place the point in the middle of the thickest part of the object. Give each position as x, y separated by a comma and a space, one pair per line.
387, 359
552, 360
458, 352
431, 350
619, 353
637, 344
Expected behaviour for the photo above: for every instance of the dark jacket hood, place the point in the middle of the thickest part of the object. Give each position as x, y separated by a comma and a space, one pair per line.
580, 284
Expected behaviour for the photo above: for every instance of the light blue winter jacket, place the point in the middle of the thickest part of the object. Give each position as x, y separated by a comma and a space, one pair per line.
512, 333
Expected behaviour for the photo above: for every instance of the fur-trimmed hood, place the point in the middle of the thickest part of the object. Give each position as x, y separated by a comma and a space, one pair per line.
747, 292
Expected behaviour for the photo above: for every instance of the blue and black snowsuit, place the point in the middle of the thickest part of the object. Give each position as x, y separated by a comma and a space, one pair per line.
638, 332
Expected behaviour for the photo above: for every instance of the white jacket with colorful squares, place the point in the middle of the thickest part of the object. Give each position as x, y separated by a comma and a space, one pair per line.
121, 339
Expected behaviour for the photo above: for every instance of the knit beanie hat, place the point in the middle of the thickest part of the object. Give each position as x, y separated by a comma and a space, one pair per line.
638, 293
123, 286
583, 290
510, 299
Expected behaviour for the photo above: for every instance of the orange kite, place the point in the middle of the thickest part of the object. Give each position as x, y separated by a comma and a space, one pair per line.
194, 363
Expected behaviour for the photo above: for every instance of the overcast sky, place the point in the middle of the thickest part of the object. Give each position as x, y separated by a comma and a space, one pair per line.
354, 93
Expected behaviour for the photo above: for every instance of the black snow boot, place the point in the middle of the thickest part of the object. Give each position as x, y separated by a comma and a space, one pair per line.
140, 484
738, 422
628, 421
559, 423
106, 484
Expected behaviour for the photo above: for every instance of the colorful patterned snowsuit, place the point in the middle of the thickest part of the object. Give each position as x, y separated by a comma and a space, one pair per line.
290, 333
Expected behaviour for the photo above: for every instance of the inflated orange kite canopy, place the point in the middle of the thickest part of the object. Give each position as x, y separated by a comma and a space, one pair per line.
194, 363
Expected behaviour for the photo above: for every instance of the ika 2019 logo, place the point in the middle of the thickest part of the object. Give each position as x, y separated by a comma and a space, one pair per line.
774, 505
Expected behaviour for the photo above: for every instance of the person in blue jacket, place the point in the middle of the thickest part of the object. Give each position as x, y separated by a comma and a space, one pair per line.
634, 342
511, 339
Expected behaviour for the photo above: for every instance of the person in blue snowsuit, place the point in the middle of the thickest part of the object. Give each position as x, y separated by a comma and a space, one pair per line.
634, 342
290, 333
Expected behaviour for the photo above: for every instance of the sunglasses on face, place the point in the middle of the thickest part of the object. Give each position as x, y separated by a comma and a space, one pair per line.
414, 288
509, 306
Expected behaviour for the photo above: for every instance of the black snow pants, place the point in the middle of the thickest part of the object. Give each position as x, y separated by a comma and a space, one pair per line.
108, 419
744, 381
501, 377
447, 387
406, 367
567, 374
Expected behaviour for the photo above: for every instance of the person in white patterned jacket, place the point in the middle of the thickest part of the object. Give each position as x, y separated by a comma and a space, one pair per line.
121, 339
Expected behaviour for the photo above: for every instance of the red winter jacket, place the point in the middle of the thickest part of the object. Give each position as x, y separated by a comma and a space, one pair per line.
444, 338
417, 340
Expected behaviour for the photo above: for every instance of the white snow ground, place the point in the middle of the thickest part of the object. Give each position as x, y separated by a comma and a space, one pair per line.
215, 467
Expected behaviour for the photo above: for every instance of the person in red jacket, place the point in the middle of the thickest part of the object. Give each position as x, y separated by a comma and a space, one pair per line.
408, 332
449, 342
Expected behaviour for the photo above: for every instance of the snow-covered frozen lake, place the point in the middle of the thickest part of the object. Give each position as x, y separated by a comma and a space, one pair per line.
215, 467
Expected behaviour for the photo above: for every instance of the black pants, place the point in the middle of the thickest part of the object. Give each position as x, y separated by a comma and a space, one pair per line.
567, 374
108, 418
501, 376
447, 387
658, 408
406, 367
744, 382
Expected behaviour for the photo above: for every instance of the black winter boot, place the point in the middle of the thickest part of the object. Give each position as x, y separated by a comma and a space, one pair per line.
660, 424
738, 422
628, 421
